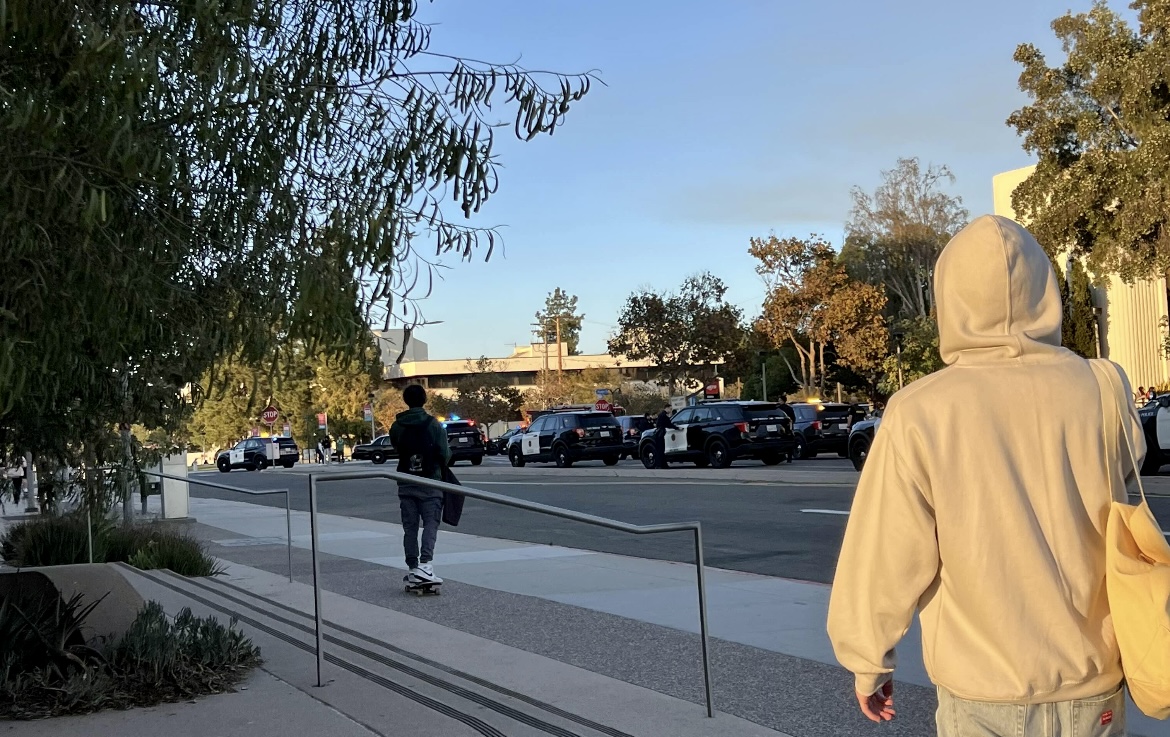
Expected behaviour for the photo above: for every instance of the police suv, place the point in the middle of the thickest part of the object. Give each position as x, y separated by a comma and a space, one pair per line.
256, 454
567, 437
1155, 418
719, 432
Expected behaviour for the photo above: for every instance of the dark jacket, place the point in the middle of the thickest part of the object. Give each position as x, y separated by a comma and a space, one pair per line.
413, 418
663, 423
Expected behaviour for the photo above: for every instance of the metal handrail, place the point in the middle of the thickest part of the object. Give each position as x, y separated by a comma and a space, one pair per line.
249, 492
507, 501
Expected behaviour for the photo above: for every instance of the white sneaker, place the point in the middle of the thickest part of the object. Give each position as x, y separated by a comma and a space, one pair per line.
426, 573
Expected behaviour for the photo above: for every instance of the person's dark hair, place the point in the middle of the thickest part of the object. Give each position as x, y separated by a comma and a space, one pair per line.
414, 396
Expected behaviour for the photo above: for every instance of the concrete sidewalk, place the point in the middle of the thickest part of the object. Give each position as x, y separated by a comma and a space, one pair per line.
758, 614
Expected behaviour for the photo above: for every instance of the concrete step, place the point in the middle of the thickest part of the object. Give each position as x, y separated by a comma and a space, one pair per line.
358, 662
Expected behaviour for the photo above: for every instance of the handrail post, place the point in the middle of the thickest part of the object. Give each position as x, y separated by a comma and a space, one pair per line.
316, 574
288, 532
702, 584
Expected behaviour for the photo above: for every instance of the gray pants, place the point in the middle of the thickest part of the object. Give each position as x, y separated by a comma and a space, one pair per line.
428, 510
1100, 716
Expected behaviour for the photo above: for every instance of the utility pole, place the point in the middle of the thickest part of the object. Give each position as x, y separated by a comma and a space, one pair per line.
560, 363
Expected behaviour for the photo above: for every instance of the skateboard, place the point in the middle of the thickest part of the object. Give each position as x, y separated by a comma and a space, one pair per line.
421, 588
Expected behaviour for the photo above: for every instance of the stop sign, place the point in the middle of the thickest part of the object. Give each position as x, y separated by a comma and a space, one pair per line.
269, 415
602, 406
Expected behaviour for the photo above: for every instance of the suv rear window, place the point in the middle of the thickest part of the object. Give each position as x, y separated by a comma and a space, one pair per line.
760, 412
805, 413
597, 420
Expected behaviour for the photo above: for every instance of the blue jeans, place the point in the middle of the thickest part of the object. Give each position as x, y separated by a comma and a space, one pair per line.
1100, 716
427, 510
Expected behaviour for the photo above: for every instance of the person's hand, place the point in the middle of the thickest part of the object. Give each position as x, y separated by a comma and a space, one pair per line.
878, 707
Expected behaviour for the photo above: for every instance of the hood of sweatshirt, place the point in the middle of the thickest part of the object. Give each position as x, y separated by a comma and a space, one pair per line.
415, 416
996, 294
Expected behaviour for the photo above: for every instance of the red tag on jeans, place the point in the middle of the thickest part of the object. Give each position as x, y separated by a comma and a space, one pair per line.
1107, 718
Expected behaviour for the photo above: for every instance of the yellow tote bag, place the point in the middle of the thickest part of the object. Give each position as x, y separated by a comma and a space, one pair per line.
1137, 574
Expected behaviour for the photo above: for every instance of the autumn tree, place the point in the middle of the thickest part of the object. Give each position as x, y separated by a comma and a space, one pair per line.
1098, 124
684, 333
484, 395
801, 276
560, 310
893, 237
919, 355
855, 318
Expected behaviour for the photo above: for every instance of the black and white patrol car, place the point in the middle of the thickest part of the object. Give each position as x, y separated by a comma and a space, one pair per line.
377, 451
565, 438
1155, 419
719, 432
255, 454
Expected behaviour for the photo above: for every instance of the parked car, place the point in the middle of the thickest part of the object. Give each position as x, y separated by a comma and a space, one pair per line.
251, 454
860, 440
717, 433
565, 438
500, 444
377, 451
822, 427
465, 441
632, 428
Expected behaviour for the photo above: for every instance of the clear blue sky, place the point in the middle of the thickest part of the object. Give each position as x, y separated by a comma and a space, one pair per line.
719, 121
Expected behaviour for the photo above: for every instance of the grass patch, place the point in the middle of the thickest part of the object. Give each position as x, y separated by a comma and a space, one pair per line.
64, 540
48, 670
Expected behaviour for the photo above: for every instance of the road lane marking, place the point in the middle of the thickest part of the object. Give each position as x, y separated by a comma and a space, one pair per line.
826, 511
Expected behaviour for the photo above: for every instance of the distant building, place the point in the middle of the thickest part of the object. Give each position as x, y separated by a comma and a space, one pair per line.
522, 369
390, 347
1132, 318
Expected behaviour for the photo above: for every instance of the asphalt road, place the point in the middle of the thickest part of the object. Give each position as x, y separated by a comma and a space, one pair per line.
791, 530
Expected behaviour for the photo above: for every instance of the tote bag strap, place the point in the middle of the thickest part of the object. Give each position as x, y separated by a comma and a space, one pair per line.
1111, 386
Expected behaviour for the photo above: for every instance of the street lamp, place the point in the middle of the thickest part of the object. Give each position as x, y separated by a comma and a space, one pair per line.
764, 372
373, 429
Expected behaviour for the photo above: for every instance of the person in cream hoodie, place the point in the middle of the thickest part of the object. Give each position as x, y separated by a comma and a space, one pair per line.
982, 506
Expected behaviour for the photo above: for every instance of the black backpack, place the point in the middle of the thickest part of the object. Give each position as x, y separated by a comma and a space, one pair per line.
417, 453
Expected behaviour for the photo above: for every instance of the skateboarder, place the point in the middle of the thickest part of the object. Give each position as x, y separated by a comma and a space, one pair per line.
422, 448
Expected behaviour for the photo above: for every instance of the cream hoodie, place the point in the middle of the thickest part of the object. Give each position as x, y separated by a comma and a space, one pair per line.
984, 499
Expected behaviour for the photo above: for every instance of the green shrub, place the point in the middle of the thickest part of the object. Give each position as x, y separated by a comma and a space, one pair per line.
52, 541
179, 553
155, 662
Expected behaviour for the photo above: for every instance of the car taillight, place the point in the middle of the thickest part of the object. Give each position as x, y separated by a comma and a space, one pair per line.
580, 432
816, 425
742, 427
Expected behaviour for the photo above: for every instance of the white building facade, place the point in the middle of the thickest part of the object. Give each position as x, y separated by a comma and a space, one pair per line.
1133, 317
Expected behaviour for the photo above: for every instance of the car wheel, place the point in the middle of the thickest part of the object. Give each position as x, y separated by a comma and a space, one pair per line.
561, 456
611, 460
378, 459
516, 458
477, 460
801, 452
772, 460
719, 454
858, 450
648, 456
263, 464
224, 465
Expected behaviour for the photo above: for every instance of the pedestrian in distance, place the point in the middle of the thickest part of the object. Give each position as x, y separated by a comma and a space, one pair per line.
998, 544
1140, 396
786, 408
661, 425
326, 448
422, 448
1152, 394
